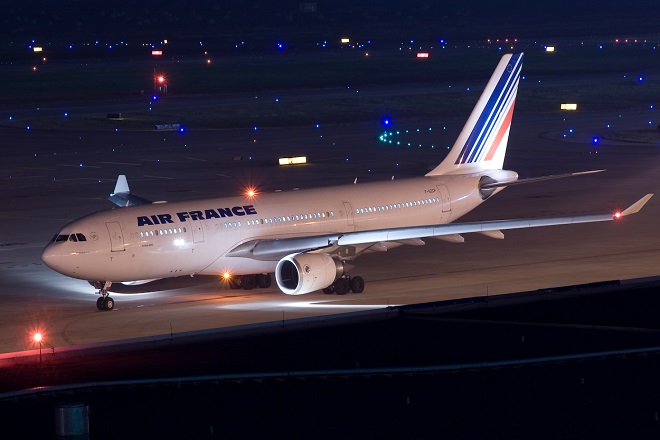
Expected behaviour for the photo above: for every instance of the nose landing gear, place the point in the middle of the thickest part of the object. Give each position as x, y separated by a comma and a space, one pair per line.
105, 302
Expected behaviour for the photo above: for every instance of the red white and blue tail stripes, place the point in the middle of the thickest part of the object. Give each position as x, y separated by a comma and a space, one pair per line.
482, 143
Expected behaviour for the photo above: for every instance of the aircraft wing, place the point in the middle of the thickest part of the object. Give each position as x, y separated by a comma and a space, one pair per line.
273, 249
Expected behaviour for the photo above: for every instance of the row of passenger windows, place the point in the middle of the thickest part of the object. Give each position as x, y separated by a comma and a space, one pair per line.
318, 215
396, 206
69, 237
262, 221
291, 218
158, 232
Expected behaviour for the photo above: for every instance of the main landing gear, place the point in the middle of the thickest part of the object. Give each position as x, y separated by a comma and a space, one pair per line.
249, 282
105, 302
345, 284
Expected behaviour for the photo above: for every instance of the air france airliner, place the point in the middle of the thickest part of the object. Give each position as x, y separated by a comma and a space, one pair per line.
307, 238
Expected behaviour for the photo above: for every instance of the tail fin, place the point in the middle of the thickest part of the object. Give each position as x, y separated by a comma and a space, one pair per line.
482, 142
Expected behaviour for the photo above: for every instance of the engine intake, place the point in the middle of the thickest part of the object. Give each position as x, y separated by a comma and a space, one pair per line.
297, 274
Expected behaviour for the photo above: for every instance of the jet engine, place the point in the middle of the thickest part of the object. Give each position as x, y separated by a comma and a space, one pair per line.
297, 274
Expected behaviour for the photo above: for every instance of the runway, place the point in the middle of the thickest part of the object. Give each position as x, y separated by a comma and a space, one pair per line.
52, 177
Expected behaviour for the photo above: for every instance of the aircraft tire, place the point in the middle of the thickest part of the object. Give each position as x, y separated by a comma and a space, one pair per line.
357, 284
108, 303
329, 290
249, 282
99, 303
342, 287
264, 280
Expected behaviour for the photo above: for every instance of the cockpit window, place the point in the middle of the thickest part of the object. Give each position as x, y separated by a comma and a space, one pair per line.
69, 237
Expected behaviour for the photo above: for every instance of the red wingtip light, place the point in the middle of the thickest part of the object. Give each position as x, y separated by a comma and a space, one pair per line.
37, 337
617, 215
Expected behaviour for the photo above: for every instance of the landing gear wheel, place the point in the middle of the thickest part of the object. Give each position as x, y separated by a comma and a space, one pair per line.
249, 282
104, 302
329, 290
235, 282
264, 280
108, 303
341, 286
357, 284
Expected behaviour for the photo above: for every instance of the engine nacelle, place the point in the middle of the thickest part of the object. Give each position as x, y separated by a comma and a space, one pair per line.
297, 274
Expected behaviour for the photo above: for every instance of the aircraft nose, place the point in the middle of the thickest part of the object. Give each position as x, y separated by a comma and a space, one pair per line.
49, 257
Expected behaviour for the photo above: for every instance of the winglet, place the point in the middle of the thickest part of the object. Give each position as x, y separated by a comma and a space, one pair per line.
637, 206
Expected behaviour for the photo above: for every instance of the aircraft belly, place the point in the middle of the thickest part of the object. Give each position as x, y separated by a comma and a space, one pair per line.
239, 266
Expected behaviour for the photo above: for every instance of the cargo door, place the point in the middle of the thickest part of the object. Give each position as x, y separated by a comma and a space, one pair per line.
444, 198
349, 213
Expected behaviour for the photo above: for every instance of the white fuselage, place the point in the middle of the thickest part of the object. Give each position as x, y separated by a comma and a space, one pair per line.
162, 240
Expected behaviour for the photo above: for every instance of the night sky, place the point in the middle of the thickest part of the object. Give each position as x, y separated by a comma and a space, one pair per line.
463, 19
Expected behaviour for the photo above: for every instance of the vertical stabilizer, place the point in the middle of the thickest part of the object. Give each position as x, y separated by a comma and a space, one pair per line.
483, 140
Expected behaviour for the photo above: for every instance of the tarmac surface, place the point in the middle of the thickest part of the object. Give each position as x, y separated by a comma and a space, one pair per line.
52, 177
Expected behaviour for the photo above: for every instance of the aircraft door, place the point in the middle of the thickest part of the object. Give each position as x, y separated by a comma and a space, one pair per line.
445, 198
349, 213
197, 229
116, 236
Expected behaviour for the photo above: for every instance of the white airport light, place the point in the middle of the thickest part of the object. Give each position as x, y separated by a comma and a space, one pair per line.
345, 40
422, 54
292, 160
550, 48
156, 53
568, 106
38, 49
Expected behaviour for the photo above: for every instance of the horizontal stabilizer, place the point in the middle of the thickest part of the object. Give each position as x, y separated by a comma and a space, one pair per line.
122, 195
535, 179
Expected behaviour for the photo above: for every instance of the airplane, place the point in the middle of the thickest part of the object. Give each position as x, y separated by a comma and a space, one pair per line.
307, 238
